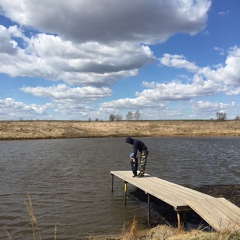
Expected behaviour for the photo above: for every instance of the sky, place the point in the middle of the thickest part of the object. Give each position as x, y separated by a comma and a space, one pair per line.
88, 59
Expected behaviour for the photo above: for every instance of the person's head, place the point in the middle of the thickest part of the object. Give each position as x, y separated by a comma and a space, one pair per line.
129, 140
131, 155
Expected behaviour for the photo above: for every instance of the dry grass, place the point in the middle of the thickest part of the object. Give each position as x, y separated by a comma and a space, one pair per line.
33, 219
78, 129
164, 232
36, 233
133, 232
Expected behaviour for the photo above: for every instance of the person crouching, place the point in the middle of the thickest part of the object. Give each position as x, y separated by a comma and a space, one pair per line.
134, 164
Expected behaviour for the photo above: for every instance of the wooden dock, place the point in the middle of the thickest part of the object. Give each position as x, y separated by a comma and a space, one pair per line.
219, 213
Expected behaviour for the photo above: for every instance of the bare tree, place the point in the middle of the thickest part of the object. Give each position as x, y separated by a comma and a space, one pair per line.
112, 117
137, 115
129, 116
221, 116
118, 117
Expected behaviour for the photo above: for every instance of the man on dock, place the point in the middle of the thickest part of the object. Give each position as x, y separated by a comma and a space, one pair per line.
138, 145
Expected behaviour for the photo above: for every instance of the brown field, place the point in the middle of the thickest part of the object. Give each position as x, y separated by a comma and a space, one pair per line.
81, 129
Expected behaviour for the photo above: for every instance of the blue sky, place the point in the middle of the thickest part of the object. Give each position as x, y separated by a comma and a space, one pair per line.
81, 59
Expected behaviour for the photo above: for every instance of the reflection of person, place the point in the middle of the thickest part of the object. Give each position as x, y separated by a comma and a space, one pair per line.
138, 145
134, 164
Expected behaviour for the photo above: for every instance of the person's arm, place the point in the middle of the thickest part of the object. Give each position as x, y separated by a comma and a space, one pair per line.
135, 148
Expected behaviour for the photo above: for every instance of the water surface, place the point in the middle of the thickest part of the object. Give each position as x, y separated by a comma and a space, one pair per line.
69, 180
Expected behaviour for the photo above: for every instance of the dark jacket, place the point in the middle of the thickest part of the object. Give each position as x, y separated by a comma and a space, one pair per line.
138, 145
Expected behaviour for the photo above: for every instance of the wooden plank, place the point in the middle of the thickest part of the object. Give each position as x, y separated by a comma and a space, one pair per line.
212, 215
227, 208
167, 186
146, 185
169, 197
221, 214
181, 189
173, 194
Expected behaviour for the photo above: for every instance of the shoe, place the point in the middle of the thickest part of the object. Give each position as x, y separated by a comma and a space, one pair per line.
134, 176
140, 175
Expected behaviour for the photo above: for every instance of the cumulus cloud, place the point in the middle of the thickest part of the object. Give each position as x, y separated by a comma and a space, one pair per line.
7, 45
73, 102
205, 82
89, 45
233, 91
178, 61
11, 109
205, 106
133, 103
110, 20
63, 92
53, 58
159, 94
210, 109
88, 42
228, 74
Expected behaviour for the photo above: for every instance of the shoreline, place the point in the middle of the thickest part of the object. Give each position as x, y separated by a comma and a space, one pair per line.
199, 227
14, 130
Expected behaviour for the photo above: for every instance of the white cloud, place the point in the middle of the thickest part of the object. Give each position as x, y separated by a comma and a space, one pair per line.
11, 109
224, 13
205, 82
228, 74
64, 92
90, 45
110, 20
93, 47
7, 45
178, 91
219, 50
160, 113
178, 61
205, 106
53, 58
206, 109
133, 103
73, 102
158, 94
233, 91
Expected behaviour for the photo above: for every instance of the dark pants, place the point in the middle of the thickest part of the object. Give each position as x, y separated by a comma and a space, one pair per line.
134, 166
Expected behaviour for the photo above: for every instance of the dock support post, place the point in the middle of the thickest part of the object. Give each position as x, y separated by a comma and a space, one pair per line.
125, 192
179, 221
149, 216
112, 181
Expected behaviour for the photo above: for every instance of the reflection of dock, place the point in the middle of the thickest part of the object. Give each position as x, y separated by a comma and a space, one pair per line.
221, 214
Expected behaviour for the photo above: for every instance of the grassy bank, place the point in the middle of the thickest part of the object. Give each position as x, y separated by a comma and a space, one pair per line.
164, 232
78, 129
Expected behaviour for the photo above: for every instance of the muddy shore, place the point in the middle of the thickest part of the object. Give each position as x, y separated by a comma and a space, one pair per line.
78, 129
